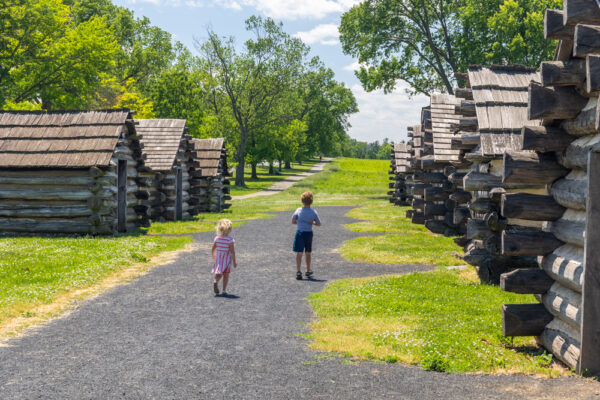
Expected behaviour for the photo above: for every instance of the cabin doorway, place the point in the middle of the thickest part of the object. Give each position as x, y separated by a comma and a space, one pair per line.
122, 196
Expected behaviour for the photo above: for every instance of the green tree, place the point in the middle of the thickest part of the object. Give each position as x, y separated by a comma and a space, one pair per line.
46, 57
252, 84
411, 40
511, 32
327, 105
426, 42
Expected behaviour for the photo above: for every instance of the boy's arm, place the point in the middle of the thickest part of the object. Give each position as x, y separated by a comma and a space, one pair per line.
232, 251
295, 219
317, 221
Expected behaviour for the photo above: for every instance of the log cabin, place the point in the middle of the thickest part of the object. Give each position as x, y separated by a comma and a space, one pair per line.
166, 147
209, 185
500, 97
567, 318
75, 172
400, 168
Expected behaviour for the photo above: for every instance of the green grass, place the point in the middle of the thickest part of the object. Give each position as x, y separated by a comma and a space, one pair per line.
203, 222
265, 180
402, 243
415, 248
442, 320
384, 218
343, 182
35, 270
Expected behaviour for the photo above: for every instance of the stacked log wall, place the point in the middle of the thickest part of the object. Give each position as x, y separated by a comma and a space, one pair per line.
399, 170
566, 281
209, 176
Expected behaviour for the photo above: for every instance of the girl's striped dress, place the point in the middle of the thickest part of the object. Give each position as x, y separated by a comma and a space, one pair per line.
223, 260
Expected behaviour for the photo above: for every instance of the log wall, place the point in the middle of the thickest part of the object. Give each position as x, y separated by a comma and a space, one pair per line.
75, 201
568, 101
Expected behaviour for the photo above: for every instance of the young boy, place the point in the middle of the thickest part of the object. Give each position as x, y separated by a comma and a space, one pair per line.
305, 217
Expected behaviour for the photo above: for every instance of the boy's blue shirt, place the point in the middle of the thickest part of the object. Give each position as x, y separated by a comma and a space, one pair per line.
305, 217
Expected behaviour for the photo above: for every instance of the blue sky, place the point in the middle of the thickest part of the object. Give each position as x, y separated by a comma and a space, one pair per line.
315, 22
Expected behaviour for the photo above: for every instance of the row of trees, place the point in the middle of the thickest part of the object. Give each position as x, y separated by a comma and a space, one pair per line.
427, 42
357, 149
268, 98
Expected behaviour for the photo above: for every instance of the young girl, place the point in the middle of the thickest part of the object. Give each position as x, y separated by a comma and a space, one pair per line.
223, 253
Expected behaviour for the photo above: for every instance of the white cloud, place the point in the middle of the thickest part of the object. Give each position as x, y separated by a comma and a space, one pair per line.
355, 66
326, 34
385, 115
294, 9
278, 9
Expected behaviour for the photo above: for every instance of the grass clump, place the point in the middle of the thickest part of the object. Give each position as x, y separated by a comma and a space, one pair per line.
35, 270
265, 180
442, 320
384, 218
415, 248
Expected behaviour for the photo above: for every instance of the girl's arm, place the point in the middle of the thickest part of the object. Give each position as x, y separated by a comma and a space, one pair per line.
232, 251
214, 248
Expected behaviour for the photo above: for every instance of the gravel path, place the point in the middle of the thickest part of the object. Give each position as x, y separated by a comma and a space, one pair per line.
166, 336
287, 182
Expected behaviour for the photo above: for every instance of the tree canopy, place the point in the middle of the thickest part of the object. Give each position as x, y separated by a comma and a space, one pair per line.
268, 99
426, 42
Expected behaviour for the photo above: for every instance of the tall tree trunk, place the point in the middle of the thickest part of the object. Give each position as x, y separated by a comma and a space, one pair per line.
299, 161
288, 165
241, 159
254, 175
280, 163
271, 169
239, 174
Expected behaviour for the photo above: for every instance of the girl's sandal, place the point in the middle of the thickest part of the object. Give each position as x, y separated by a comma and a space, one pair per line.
309, 274
216, 287
299, 275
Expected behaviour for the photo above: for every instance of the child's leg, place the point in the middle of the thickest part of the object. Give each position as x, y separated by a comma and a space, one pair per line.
298, 261
218, 277
225, 281
308, 260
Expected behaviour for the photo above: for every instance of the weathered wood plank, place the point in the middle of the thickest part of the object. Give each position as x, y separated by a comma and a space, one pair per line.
545, 138
590, 321
526, 281
554, 103
531, 168
524, 319
528, 243
531, 207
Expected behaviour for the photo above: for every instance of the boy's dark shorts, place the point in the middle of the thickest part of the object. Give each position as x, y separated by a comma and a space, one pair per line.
303, 242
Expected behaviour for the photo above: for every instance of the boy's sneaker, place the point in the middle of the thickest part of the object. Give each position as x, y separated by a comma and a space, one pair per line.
309, 274
299, 275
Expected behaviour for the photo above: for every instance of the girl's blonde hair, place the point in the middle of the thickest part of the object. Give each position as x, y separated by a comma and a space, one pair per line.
224, 227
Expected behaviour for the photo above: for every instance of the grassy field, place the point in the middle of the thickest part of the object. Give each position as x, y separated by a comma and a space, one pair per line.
265, 180
401, 242
35, 271
442, 320
344, 182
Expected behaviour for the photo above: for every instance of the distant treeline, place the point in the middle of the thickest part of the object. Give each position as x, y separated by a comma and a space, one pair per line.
356, 149
269, 99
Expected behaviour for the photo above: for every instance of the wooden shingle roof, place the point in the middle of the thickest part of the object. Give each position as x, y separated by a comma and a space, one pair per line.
161, 139
443, 121
210, 152
68, 139
501, 94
